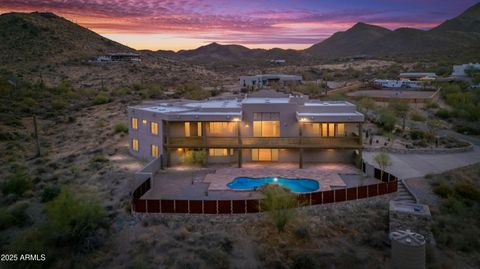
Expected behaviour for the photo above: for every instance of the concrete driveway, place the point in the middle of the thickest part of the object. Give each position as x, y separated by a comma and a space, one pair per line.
418, 165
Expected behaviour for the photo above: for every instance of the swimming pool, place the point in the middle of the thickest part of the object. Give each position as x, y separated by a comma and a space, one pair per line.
295, 185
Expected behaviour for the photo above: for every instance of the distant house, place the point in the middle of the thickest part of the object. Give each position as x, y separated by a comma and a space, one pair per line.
278, 61
119, 57
459, 70
268, 80
415, 76
388, 83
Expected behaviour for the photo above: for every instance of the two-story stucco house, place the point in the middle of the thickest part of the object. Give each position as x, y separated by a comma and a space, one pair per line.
261, 127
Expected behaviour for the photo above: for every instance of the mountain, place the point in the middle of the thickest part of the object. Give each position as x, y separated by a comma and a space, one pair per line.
37, 37
468, 21
349, 43
458, 34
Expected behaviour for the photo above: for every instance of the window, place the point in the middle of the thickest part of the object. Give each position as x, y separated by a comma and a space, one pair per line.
134, 123
199, 128
135, 144
324, 129
218, 128
154, 128
340, 129
154, 151
187, 129
264, 154
316, 129
217, 152
331, 129
266, 124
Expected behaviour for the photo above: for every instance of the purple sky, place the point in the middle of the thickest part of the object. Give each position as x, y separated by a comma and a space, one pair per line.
186, 24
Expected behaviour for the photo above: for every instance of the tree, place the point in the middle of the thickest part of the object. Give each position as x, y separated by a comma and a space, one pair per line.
401, 109
383, 160
279, 204
433, 126
366, 103
387, 119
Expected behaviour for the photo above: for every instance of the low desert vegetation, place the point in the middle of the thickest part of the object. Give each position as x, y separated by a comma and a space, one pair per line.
279, 203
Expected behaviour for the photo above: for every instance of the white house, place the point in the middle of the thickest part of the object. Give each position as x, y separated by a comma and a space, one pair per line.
268, 79
459, 70
388, 83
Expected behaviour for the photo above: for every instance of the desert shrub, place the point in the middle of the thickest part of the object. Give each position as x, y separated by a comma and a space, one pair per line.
467, 190
279, 204
16, 216
101, 98
443, 189
120, 128
74, 219
417, 116
99, 158
304, 261
49, 193
194, 157
302, 232
387, 119
431, 105
443, 113
59, 104
17, 183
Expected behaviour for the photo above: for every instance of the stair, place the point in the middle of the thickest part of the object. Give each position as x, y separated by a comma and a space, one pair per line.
403, 195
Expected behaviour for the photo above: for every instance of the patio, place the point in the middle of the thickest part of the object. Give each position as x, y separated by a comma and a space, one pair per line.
210, 183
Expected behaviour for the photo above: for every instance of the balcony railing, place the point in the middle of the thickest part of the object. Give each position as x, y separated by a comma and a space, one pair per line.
259, 142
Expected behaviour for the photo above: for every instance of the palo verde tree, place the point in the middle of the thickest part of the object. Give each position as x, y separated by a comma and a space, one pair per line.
383, 160
401, 109
279, 204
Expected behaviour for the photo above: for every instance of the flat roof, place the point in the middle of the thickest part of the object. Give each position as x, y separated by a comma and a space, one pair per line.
266, 100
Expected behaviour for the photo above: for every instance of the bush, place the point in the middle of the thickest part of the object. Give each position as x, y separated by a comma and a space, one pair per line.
194, 157
99, 159
417, 116
59, 104
120, 128
387, 120
443, 189
304, 261
14, 216
443, 113
302, 232
74, 220
17, 183
50, 193
279, 204
101, 98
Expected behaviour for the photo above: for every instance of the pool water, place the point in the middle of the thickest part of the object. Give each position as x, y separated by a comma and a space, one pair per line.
295, 185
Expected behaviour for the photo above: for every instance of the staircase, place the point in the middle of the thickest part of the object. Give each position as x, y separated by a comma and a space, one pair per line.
403, 194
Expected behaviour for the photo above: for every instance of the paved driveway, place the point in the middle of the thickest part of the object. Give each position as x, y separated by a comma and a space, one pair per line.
418, 165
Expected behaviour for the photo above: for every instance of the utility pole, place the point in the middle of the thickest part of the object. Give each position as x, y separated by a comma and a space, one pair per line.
36, 136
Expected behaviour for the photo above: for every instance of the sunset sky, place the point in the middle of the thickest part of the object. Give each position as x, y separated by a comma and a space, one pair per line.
187, 24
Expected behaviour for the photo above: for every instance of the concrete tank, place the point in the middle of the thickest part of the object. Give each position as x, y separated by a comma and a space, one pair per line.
408, 250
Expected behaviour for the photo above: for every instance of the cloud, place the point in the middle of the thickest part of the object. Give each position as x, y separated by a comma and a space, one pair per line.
243, 22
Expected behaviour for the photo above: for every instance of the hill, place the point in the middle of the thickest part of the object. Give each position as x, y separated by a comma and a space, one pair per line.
460, 34
27, 38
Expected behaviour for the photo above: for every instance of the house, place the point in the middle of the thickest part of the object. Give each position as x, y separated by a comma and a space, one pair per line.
262, 127
277, 61
268, 80
394, 84
119, 57
459, 70
417, 76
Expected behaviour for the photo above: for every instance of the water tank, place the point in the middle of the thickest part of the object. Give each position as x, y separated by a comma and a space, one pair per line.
408, 250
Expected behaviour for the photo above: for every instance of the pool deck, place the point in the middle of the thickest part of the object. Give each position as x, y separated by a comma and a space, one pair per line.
210, 183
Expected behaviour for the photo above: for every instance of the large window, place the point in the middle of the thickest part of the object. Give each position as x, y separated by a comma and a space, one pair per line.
135, 144
264, 154
154, 128
193, 129
134, 123
324, 129
154, 151
221, 128
218, 152
266, 124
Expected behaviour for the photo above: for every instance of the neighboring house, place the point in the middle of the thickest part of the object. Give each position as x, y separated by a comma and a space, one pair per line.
262, 127
415, 76
268, 80
278, 61
387, 83
119, 57
459, 70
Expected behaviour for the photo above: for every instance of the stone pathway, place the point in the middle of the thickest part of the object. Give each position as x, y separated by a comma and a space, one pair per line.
403, 195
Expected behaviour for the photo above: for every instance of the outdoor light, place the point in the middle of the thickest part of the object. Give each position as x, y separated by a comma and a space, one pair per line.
235, 119
275, 179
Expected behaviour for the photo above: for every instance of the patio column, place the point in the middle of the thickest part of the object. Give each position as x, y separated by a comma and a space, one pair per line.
166, 153
300, 153
360, 132
204, 143
239, 147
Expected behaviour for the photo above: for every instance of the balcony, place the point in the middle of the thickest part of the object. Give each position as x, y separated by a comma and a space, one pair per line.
264, 142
